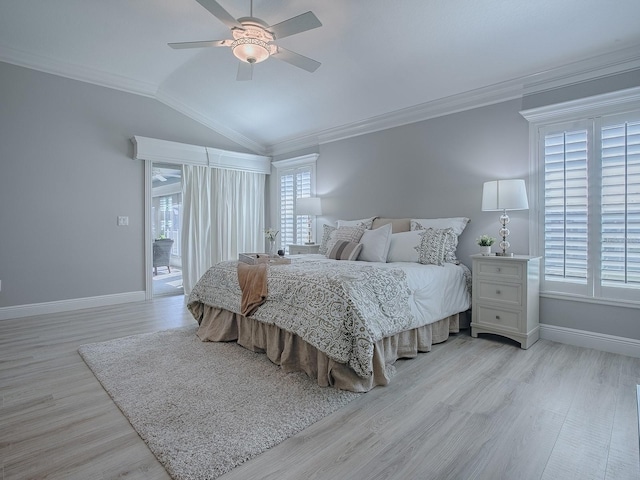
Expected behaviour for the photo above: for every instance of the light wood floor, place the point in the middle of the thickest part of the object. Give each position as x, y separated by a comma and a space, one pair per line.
470, 409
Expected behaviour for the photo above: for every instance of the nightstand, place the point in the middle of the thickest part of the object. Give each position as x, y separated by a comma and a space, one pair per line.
297, 249
505, 297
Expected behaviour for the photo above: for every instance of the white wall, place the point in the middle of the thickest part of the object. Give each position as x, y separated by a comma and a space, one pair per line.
66, 173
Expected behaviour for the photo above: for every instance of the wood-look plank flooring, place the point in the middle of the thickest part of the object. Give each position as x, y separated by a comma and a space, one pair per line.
470, 409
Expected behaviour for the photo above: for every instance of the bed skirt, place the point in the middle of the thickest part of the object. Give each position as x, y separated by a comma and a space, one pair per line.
295, 355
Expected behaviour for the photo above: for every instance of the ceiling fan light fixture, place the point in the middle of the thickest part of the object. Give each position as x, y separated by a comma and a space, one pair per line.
250, 50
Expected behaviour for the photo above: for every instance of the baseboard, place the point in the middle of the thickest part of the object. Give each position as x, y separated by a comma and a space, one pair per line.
599, 341
45, 308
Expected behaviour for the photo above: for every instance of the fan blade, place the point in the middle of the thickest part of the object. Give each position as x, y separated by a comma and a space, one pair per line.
208, 43
245, 71
220, 13
299, 24
296, 59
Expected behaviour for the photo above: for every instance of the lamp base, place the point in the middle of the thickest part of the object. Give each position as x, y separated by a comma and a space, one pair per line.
504, 254
309, 243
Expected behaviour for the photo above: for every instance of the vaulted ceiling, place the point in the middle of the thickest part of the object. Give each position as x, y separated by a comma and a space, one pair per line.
384, 62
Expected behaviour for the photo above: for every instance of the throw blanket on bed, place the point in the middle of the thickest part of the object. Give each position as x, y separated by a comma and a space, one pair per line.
253, 283
341, 308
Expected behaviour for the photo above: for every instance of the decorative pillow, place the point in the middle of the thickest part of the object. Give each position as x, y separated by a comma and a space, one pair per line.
458, 224
326, 232
450, 248
350, 234
433, 246
368, 223
402, 248
375, 244
344, 250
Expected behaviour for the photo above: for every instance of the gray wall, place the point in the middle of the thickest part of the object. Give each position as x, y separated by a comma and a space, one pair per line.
66, 173
436, 168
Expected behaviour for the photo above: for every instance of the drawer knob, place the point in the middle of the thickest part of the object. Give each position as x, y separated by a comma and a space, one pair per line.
497, 317
498, 269
497, 292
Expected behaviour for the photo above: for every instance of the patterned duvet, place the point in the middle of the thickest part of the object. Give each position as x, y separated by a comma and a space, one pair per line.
341, 307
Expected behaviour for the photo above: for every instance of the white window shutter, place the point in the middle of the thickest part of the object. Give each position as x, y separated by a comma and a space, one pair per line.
566, 205
620, 220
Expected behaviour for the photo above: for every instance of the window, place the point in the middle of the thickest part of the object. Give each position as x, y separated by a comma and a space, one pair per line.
296, 179
586, 165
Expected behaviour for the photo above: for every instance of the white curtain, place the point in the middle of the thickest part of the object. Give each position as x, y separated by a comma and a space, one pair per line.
222, 215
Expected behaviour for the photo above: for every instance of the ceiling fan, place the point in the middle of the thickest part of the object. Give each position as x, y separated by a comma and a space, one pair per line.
253, 39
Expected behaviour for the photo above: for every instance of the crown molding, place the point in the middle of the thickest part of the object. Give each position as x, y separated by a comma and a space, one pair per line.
180, 106
625, 59
76, 72
82, 73
620, 61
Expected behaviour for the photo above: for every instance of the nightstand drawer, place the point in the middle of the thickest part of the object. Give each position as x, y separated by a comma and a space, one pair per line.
498, 318
503, 270
508, 293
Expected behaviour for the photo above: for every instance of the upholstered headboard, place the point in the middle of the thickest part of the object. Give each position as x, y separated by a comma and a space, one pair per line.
397, 224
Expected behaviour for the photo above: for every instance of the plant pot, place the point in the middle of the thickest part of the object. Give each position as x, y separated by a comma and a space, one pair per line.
485, 250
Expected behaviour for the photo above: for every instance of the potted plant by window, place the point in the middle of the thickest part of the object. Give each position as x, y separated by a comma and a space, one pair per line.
485, 242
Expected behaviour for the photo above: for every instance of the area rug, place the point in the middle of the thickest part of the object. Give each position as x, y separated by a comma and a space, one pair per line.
204, 407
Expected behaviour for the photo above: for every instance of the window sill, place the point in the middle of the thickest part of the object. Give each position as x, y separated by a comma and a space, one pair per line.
581, 298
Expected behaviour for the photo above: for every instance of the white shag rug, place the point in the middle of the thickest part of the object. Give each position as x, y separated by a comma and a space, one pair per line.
204, 407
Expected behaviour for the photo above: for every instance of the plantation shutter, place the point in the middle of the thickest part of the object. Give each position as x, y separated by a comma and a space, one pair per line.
293, 184
287, 205
620, 203
566, 206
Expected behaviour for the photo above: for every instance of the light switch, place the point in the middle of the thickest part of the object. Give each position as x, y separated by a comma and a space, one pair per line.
123, 221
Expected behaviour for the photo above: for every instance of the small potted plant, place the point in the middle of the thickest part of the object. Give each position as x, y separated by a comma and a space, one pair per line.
485, 242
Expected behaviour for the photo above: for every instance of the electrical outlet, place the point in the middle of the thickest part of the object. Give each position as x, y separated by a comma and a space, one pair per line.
123, 221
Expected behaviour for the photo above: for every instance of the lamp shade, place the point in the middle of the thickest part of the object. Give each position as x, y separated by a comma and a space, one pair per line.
500, 195
308, 206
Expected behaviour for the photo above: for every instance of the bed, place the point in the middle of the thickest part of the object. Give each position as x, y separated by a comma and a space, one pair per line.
343, 322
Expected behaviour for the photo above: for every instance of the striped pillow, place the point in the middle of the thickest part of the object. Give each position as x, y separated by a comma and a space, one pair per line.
344, 250
350, 234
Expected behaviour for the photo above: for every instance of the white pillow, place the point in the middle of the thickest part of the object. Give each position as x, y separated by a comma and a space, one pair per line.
456, 223
368, 222
403, 246
375, 244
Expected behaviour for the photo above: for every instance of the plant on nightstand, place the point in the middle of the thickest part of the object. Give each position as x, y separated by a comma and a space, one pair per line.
485, 242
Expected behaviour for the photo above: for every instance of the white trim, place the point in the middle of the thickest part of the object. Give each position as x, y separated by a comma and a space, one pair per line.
148, 247
596, 67
80, 73
164, 151
598, 341
207, 121
58, 306
611, 302
620, 61
604, 104
247, 162
296, 161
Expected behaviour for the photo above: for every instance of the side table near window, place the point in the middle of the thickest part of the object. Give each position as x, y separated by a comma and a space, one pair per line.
505, 297
298, 249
